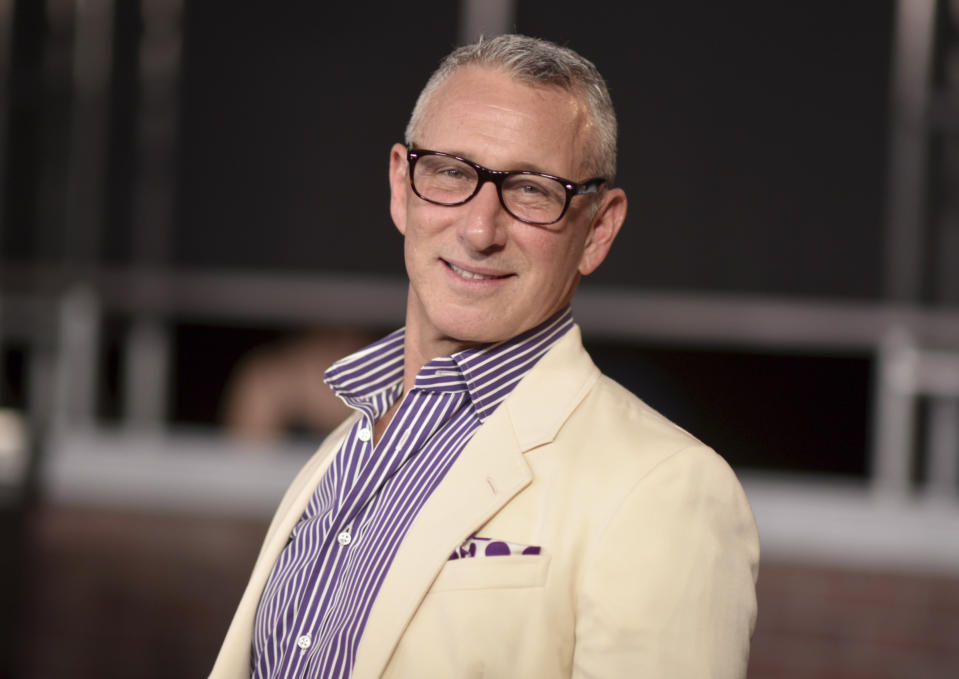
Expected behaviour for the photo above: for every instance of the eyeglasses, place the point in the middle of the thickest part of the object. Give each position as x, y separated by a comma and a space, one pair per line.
531, 197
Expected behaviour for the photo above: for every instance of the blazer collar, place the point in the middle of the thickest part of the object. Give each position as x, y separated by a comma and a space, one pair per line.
489, 472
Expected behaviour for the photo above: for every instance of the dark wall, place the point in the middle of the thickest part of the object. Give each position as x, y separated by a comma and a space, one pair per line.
752, 150
752, 139
752, 135
289, 111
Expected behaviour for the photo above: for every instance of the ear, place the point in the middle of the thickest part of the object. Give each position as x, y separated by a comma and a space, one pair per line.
602, 230
399, 186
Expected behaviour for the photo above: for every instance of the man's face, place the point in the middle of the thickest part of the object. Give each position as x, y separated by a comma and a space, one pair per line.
477, 274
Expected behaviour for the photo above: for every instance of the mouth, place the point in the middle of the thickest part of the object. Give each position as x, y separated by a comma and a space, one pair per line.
473, 275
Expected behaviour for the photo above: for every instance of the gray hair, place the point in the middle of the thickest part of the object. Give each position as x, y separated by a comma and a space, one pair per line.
537, 62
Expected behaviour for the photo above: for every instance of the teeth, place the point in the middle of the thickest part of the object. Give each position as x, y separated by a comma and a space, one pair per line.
470, 275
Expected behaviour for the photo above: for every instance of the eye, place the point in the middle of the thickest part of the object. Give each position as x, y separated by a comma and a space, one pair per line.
440, 168
452, 173
531, 189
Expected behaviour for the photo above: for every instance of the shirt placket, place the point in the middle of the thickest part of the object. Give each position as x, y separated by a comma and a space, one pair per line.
351, 514
400, 453
335, 534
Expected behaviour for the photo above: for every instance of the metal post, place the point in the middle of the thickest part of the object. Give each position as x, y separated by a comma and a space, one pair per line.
75, 379
910, 84
485, 17
948, 221
895, 415
944, 447
147, 351
89, 132
6, 46
145, 376
53, 138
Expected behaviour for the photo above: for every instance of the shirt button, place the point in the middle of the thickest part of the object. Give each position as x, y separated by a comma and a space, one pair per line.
304, 641
364, 434
344, 538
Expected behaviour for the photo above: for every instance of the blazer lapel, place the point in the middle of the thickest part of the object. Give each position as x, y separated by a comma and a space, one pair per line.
234, 659
490, 471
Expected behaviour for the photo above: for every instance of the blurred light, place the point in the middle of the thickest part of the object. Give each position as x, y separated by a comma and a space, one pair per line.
13, 448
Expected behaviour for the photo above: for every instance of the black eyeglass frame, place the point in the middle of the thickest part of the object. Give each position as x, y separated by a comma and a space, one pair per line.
497, 177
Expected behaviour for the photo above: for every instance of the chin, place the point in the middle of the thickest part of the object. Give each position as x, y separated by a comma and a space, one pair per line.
469, 335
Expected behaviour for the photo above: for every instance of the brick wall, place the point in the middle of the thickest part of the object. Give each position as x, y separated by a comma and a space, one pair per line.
135, 595
817, 622
130, 595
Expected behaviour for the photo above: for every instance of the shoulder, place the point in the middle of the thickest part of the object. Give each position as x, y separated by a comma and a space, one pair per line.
628, 439
595, 428
671, 534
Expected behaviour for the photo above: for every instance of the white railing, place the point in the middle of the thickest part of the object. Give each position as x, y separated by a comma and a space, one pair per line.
144, 463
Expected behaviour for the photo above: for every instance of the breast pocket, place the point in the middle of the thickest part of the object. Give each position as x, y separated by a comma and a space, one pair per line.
505, 572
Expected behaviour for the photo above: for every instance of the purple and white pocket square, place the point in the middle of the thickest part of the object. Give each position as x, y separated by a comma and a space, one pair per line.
476, 547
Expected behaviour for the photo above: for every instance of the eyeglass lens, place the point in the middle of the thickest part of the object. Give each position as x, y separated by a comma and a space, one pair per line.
532, 197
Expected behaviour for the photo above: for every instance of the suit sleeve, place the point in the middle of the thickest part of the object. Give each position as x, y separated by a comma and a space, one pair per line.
668, 589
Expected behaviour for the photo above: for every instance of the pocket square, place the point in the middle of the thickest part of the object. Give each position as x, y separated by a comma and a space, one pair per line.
475, 547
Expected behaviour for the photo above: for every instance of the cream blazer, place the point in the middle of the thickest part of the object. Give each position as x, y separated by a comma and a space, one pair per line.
649, 549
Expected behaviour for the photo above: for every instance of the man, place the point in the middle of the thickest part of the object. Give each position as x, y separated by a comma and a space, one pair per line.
496, 507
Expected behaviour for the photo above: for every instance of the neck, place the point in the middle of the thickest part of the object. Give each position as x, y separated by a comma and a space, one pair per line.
422, 343
419, 350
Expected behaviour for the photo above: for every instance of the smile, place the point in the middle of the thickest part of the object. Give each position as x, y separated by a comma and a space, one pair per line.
470, 275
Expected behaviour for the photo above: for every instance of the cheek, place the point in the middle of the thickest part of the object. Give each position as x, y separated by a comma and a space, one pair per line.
425, 230
424, 221
558, 264
556, 253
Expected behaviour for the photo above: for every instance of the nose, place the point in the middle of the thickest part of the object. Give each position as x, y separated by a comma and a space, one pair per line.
483, 227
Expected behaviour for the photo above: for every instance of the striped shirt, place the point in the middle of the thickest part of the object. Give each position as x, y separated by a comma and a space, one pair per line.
315, 604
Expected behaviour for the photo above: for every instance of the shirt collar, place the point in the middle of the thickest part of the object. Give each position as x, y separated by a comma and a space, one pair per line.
488, 372
491, 371
376, 370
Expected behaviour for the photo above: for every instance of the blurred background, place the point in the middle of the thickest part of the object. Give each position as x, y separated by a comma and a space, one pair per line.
194, 224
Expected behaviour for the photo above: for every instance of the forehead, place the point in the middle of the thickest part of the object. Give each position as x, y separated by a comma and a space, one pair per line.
504, 123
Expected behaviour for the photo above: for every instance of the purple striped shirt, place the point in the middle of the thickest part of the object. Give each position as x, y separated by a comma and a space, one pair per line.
315, 604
